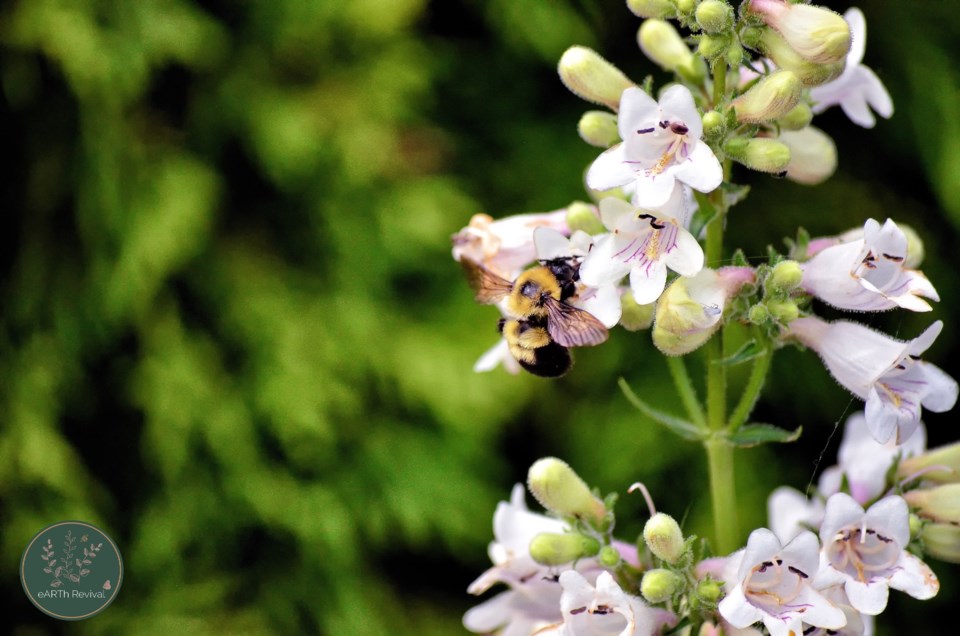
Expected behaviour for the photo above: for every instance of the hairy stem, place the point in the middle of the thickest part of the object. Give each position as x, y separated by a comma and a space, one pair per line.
681, 380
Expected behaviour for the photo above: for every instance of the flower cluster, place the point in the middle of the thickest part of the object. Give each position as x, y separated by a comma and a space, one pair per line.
646, 252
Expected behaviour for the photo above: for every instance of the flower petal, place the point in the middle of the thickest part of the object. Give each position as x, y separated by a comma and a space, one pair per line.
869, 599
686, 258
609, 170
701, 171
636, 109
648, 283
677, 103
915, 577
941, 389
601, 266
550, 243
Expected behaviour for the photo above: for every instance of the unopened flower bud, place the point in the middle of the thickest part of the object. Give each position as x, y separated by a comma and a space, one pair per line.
660, 42
652, 8
548, 548
686, 6
689, 311
783, 311
941, 504
664, 538
734, 55
941, 464
758, 314
761, 154
809, 73
609, 557
709, 590
915, 524
942, 540
785, 276
714, 16
816, 34
659, 585
770, 98
599, 128
714, 125
635, 317
713, 46
813, 155
750, 36
798, 118
584, 217
591, 77
561, 491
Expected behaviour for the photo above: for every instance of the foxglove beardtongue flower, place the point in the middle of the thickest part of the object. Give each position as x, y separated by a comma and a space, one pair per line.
865, 462
866, 553
867, 274
773, 585
858, 88
886, 373
603, 610
643, 244
789, 512
661, 145
504, 246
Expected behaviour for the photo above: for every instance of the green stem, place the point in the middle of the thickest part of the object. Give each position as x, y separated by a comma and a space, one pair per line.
751, 393
688, 395
723, 495
719, 82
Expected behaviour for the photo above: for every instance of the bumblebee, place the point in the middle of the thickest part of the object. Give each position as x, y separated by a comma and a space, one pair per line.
543, 324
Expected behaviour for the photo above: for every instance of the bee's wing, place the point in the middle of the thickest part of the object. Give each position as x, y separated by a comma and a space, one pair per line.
487, 286
573, 327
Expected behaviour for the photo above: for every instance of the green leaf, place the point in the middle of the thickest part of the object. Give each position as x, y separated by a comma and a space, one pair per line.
733, 194
747, 352
705, 213
755, 434
681, 427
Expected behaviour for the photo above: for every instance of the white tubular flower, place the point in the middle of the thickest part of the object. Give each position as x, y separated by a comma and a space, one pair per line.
661, 145
867, 274
604, 610
865, 462
643, 244
773, 585
602, 299
858, 88
866, 553
504, 246
789, 512
884, 372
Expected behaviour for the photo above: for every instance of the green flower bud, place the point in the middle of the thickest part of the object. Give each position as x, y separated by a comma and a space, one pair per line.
714, 16
916, 526
785, 276
750, 36
734, 55
770, 98
816, 34
709, 590
635, 317
664, 538
813, 155
942, 540
759, 314
941, 504
686, 6
591, 77
809, 73
561, 491
798, 118
783, 311
714, 125
660, 42
583, 216
659, 585
713, 46
599, 128
688, 313
760, 154
609, 557
653, 8
548, 548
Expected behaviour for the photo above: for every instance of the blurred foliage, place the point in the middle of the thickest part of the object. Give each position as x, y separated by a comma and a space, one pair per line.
232, 336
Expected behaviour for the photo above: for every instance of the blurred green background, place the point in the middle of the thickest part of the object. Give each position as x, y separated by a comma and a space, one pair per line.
232, 335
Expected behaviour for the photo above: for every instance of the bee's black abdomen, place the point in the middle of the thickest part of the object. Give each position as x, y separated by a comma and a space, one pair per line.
550, 361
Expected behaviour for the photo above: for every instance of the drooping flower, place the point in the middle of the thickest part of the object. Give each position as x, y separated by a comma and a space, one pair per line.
661, 145
867, 274
643, 244
858, 88
504, 246
866, 553
884, 372
773, 585
865, 462
604, 609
